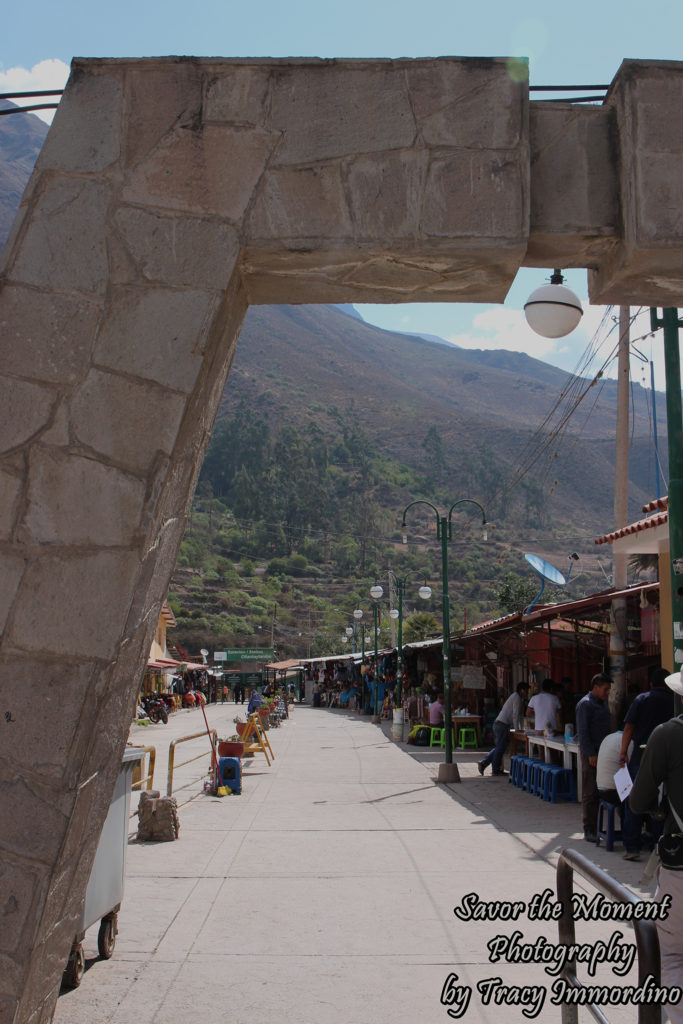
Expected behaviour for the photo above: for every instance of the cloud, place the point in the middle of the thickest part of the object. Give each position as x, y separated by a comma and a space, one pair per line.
502, 327
47, 74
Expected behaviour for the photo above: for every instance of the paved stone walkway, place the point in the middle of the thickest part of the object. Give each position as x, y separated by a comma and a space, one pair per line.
325, 893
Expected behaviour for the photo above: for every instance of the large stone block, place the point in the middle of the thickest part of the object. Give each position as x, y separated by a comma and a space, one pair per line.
85, 135
482, 196
111, 414
177, 320
574, 194
645, 266
161, 96
12, 567
176, 250
43, 820
68, 599
78, 501
333, 109
237, 95
44, 335
11, 487
24, 411
59, 690
302, 203
387, 193
64, 247
209, 169
471, 103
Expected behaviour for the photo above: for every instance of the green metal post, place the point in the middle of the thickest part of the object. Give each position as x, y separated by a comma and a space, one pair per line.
375, 609
444, 531
674, 421
399, 653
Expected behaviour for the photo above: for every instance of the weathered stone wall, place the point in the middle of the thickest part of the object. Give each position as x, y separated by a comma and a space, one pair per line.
169, 195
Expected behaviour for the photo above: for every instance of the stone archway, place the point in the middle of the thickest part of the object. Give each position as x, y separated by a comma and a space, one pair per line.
170, 194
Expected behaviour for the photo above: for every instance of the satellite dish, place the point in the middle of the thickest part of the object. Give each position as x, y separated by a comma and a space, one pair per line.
545, 571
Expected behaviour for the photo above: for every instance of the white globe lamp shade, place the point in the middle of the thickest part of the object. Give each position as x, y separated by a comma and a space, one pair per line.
425, 593
553, 310
393, 614
376, 592
358, 614
349, 631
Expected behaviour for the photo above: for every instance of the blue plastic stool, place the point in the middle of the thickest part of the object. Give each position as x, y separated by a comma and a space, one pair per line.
527, 772
609, 834
558, 784
540, 778
515, 770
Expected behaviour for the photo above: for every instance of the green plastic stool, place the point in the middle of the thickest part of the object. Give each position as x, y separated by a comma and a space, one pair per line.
436, 738
467, 737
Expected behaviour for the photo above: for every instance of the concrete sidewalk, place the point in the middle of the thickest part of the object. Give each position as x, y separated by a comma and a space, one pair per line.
325, 893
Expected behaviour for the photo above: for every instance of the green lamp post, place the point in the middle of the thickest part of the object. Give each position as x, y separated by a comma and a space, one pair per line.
448, 771
376, 593
425, 593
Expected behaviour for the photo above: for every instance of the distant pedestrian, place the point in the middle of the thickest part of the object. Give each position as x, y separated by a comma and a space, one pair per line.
593, 723
509, 717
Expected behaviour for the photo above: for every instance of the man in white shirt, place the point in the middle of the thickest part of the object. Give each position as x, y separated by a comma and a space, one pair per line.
509, 717
545, 707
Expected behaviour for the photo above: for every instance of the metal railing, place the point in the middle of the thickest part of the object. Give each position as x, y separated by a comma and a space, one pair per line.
171, 757
149, 778
647, 942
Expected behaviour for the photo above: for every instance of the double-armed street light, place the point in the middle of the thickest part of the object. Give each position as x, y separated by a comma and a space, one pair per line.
425, 593
376, 594
448, 771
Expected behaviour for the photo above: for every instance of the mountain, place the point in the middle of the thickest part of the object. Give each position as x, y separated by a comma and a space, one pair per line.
21, 137
301, 364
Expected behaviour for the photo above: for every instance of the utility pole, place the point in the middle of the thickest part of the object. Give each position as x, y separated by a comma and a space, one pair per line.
618, 615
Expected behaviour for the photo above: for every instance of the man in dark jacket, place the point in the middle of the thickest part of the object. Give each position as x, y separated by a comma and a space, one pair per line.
662, 762
592, 725
647, 711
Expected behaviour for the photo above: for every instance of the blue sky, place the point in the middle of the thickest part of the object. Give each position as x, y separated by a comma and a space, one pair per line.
582, 43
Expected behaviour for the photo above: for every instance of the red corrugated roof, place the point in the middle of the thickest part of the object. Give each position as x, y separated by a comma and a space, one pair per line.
659, 505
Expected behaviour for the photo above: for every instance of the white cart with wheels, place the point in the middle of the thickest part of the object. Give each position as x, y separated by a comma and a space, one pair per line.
104, 894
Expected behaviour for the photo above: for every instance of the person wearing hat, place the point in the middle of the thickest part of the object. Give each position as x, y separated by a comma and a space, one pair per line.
662, 764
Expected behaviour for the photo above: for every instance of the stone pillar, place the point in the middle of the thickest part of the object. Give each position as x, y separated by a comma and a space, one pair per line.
118, 318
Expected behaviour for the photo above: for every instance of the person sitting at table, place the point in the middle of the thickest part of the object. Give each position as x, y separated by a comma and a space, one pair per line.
436, 711
609, 754
546, 708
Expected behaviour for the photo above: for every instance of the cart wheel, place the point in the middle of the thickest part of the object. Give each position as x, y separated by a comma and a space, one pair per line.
73, 972
106, 938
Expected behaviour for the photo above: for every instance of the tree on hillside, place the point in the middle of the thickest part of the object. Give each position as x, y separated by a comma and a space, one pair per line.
419, 626
515, 593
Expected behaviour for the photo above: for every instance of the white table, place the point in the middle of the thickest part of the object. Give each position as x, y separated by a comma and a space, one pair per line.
569, 751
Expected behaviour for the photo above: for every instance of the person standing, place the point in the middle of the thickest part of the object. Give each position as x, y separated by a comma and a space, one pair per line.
593, 723
545, 708
509, 717
646, 712
662, 763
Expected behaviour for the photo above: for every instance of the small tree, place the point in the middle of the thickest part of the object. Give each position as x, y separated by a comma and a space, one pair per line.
515, 593
419, 626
